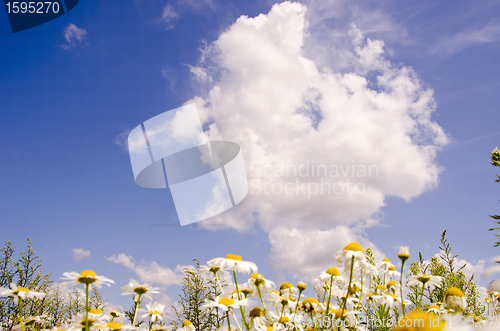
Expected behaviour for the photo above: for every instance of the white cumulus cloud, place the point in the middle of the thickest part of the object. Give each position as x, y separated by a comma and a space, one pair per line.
159, 275
79, 253
125, 260
358, 136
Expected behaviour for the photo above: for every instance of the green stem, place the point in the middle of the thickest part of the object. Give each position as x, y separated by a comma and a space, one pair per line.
401, 288
20, 306
239, 298
218, 282
329, 297
263, 304
348, 291
298, 302
87, 328
136, 308
228, 322
236, 320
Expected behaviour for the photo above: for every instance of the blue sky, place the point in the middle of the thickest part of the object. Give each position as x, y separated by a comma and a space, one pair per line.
72, 88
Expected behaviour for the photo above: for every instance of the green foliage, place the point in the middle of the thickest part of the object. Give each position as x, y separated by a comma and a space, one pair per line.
196, 290
495, 160
26, 272
445, 266
56, 307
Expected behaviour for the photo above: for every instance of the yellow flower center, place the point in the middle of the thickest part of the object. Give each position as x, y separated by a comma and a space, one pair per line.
424, 279
114, 325
87, 277
433, 307
309, 300
259, 279
385, 259
418, 320
22, 289
233, 257
392, 269
392, 283
269, 328
301, 286
95, 311
338, 313
455, 292
91, 321
284, 319
226, 301
87, 273
381, 287
140, 290
186, 323
256, 312
285, 286
334, 272
354, 247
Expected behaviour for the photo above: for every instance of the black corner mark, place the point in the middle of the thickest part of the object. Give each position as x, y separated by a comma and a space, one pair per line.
25, 15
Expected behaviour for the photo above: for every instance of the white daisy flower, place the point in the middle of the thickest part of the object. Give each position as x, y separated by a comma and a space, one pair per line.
310, 305
115, 326
333, 275
233, 263
455, 299
206, 271
134, 288
187, 326
20, 292
86, 277
258, 319
425, 280
404, 253
344, 257
385, 264
155, 311
391, 271
288, 290
225, 303
393, 286
435, 309
258, 282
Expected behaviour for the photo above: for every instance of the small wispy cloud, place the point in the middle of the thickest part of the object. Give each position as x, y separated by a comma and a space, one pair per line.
74, 36
79, 253
125, 260
473, 36
168, 15
175, 10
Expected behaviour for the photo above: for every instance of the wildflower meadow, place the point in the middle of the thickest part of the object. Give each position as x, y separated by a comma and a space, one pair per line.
359, 292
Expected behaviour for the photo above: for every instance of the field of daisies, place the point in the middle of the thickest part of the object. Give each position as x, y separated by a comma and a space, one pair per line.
228, 293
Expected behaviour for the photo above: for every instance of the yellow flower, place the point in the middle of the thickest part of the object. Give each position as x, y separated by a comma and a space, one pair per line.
404, 253
419, 321
86, 277
455, 299
233, 263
